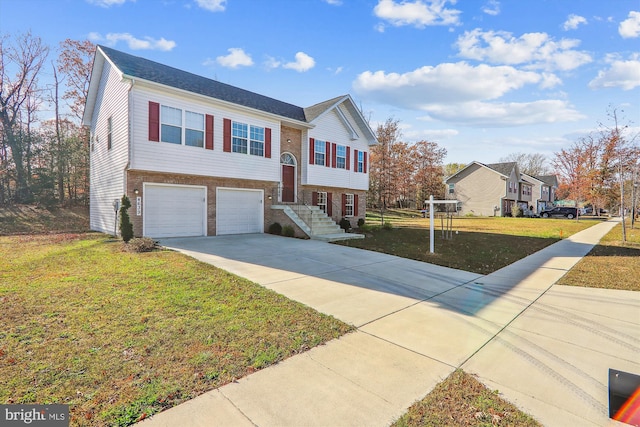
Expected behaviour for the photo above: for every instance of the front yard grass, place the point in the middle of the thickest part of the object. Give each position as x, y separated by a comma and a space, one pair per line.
611, 264
461, 400
478, 244
119, 336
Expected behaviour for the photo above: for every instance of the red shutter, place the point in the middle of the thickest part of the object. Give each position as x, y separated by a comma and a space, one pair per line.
348, 158
334, 159
226, 138
314, 198
267, 143
327, 154
312, 149
344, 204
364, 169
154, 121
355, 205
355, 160
208, 133
329, 204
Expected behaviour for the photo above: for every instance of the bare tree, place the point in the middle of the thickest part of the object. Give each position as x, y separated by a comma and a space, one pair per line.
20, 66
533, 164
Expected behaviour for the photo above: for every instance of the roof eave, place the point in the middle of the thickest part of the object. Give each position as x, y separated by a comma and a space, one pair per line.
289, 121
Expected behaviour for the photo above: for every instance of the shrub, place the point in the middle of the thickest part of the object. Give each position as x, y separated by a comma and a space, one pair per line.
516, 211
387, 225
345, 224
141, 244
275, 228
126, 227
288, 231
360, 222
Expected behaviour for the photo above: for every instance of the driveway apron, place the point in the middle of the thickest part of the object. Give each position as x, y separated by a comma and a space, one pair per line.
546, 348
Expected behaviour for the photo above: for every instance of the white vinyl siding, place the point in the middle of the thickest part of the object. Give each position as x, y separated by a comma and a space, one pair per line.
171, 158
107, 166
331, 128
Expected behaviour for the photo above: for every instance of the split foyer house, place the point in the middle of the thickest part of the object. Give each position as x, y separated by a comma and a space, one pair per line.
493, 189
198, 157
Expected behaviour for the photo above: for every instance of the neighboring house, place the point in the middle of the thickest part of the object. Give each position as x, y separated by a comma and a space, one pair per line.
544, 191
198, 157
493, 189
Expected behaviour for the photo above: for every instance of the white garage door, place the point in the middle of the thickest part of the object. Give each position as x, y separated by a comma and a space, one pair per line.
174, 211
239, 211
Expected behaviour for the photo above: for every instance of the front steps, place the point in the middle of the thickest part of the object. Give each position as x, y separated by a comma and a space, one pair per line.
315, 223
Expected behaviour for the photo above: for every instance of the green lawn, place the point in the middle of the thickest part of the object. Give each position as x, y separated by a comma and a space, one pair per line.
611, 264
120, 336
477, 244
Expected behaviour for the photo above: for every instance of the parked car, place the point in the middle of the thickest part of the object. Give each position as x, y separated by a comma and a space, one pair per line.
560, 212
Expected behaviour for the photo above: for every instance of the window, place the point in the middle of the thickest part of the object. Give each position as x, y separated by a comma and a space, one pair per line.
247, 139
319, 149
257, 141
452, 188
341, 157
239, 138
348, 211
194, 129
109, 132
322, 201
360, 161
171, 125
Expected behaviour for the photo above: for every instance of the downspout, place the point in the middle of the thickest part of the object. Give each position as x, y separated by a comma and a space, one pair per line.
129, 149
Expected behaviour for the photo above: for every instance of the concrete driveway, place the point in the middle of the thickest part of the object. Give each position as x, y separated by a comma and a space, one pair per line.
546, 348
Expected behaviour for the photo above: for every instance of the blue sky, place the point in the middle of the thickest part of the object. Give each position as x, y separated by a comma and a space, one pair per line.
482, 78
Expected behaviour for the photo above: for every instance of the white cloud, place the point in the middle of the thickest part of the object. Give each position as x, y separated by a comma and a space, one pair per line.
622, 74
212, 5
236, 58
573, 21
418, 13
447, 82
107, 3
466, 94
147, 43
429, 134
533, 50
492, 8
630, 27
302, 63
505, 114
334, 2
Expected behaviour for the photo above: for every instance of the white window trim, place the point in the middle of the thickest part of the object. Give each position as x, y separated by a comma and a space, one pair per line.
323, 152
249, 140
322, 201
349, 203
183, 126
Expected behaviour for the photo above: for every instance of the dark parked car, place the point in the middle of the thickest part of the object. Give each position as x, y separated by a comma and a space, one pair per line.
560, 212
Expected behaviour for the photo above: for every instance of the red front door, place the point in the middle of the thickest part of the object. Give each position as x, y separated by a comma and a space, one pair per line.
288, 183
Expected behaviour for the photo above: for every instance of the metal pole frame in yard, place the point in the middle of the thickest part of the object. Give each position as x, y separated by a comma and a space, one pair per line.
432, 202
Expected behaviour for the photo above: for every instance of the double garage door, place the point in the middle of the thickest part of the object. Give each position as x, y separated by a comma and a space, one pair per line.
181, 211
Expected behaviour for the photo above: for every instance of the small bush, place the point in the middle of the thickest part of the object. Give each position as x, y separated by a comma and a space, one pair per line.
288, 231
345, 224
360, 222
517, 212
126, 227
275, 228
141, 244
387, 225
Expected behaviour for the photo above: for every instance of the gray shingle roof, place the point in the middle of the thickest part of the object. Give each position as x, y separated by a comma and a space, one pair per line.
503, 168
158, 73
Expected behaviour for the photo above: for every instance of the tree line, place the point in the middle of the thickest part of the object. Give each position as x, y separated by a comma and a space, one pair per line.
44, 156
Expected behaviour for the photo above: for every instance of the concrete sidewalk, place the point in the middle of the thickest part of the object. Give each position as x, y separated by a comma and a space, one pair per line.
546, 348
